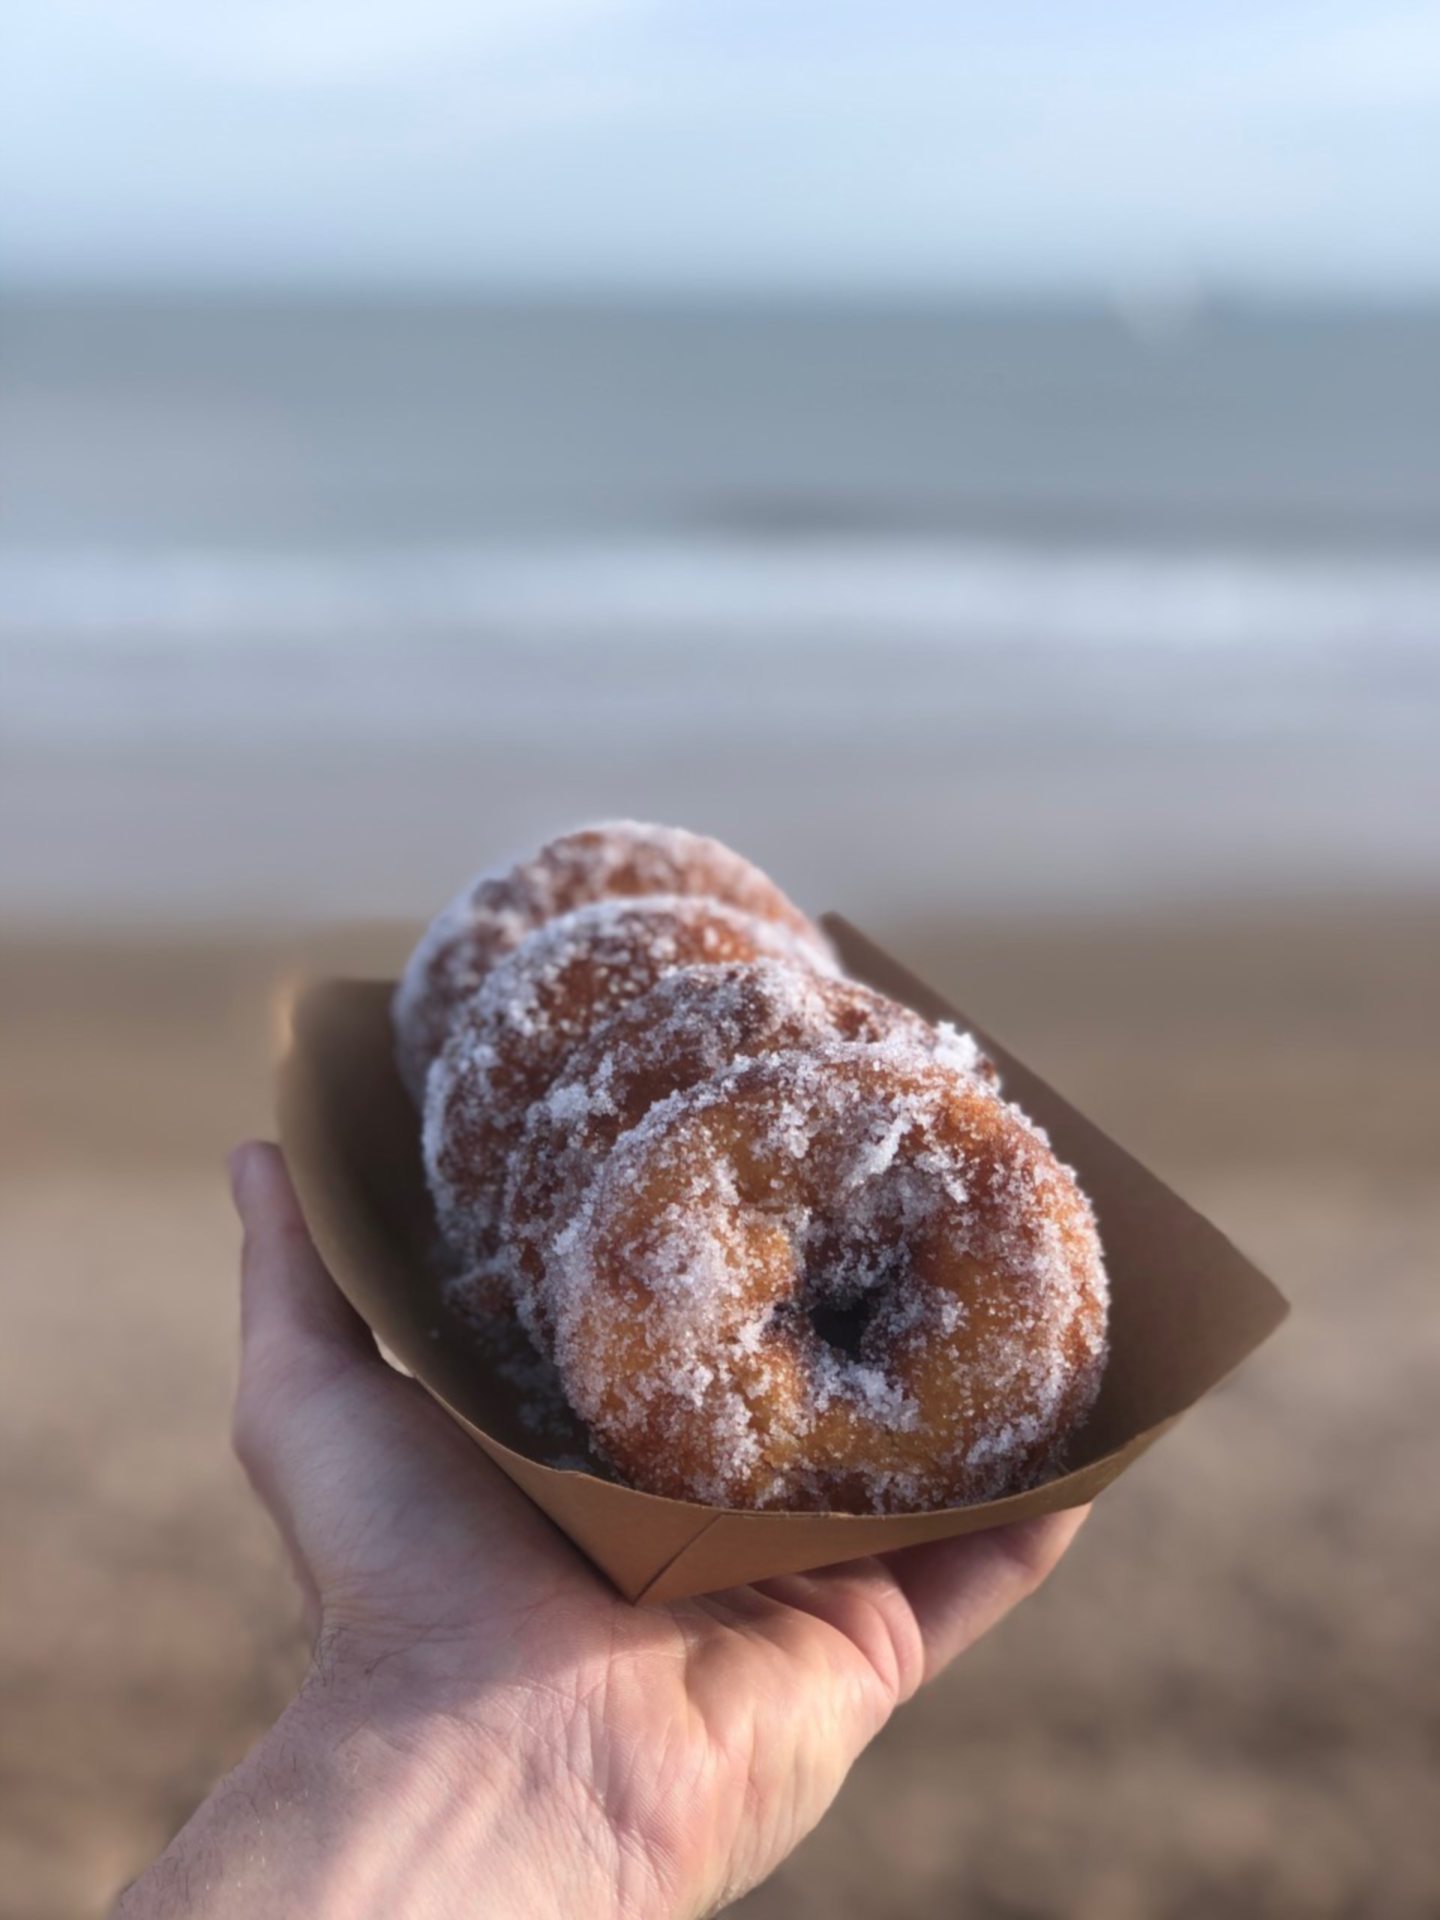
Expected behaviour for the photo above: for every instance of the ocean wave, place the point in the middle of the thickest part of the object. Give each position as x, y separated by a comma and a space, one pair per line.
734, 593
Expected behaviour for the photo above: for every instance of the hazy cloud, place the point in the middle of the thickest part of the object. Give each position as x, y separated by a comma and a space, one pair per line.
783, 142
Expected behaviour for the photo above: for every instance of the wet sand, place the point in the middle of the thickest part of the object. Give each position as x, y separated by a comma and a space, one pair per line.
1226, 1702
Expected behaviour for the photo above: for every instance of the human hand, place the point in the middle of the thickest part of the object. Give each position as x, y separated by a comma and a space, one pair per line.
487, 1727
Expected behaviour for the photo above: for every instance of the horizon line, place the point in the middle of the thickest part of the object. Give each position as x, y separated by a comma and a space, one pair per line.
1144, 304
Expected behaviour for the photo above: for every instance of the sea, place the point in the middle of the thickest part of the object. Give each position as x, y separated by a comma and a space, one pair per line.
313, 604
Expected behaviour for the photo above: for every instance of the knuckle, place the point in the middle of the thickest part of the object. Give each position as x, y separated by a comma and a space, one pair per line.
283, 1388
246, 1434
260, 1404
1029, 1553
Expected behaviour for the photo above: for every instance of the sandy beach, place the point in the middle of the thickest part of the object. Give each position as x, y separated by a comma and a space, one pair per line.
1225, 1703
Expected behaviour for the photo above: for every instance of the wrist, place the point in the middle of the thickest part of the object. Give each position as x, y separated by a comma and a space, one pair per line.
368, 1798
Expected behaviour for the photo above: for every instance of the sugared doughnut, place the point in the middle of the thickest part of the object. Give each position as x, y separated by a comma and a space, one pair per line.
850, 1278
529, 1383
511, 1039
696, 1023
615, 860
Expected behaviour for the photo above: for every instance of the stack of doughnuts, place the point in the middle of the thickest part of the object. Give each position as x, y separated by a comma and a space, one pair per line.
785, 1243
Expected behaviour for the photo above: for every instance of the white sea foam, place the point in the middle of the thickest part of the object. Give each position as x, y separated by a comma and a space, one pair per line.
946, 593
1139, 724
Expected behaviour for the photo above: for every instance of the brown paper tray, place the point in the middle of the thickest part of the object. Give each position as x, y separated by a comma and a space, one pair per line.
1186, 1307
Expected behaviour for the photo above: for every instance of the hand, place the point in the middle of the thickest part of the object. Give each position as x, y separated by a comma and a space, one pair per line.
488, 1728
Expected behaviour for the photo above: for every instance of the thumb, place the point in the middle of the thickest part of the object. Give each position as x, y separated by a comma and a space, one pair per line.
290, 1308
301, 1347
298, 1334
361, 1470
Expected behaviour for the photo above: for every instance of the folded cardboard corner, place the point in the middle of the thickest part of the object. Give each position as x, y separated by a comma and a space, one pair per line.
1186, 1306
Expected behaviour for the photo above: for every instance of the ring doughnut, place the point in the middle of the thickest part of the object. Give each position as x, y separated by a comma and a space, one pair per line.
508, 1043
617, 859
696, 1023
849, 1279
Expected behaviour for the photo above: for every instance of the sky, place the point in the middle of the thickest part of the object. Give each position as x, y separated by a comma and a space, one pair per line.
1135, 146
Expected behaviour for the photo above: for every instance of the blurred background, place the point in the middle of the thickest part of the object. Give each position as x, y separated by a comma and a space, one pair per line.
985, 463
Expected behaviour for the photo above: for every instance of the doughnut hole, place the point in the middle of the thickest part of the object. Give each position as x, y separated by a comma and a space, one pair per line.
696, 1022
851, 1279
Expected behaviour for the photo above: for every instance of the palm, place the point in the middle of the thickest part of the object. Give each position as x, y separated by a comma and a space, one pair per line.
712, 1732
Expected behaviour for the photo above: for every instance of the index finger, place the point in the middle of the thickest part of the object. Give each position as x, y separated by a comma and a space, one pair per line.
958, 1589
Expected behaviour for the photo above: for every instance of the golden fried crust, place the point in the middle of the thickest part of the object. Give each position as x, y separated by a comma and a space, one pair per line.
846, 1278
696, 1023
623, 859
537, 1005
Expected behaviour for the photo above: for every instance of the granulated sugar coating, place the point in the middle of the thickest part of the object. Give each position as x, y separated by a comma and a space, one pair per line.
511, 1040
617, 859
698, 1022
786, 1243
849, 1278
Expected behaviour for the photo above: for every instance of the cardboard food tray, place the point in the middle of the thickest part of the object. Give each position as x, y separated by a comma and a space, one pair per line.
1186, 1307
